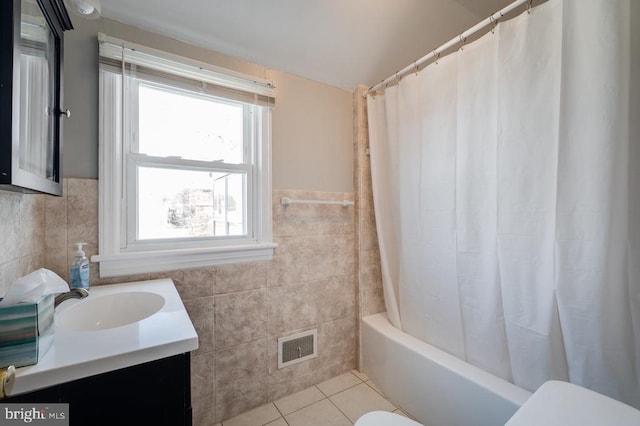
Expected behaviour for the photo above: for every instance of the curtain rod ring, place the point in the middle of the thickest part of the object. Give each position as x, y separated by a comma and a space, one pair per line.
494, 23
397, 78
463, 40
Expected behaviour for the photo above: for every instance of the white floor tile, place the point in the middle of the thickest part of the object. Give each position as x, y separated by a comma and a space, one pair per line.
299, 400
322, 413
338, 384
359, 400
279, 422
374, 387
256, 417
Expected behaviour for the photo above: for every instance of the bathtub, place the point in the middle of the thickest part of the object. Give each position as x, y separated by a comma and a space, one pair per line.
434, 387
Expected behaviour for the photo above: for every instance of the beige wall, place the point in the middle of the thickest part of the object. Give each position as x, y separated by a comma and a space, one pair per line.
239, 311
312, 122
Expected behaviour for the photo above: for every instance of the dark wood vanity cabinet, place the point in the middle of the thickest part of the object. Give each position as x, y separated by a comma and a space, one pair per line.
31, 112
154, 393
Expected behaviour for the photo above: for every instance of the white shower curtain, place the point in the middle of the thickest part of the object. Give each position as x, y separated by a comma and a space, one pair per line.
506, 185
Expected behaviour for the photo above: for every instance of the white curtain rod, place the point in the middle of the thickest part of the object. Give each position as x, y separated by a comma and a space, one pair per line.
413, 67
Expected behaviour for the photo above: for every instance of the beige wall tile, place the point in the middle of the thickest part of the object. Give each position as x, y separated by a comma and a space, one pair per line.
336, 340
241, 370
56, 260
28, 264
205, 417
194, 283
370, 298
240, 375
201, 312
22, 229
242, 277
82, 211
56, 222
8, 273
365, 190
240, 318
9, 225
311, 219
308, 258
301, 305
30, 232
202, 385
372, 295
369, 235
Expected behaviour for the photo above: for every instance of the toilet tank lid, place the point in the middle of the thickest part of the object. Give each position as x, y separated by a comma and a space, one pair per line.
558, 403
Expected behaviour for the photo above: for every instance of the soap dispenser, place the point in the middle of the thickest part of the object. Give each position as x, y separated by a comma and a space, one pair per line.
80, 269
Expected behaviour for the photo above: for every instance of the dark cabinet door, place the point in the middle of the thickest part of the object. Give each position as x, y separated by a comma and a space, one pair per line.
31, 63
154, 393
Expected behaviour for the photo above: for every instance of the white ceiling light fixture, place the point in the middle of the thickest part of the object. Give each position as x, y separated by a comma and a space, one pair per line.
89, 9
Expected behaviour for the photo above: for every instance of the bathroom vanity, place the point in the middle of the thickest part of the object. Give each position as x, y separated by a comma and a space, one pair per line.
120, 356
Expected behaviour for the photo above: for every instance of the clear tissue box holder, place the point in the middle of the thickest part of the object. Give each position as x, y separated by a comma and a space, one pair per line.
26, 332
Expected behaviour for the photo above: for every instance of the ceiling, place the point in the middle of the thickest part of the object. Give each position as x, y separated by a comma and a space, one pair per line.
342, 43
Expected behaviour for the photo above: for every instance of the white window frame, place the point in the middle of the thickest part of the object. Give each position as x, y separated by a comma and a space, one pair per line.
118, 254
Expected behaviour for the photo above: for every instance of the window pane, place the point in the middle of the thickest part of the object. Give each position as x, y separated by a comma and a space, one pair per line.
190, 204
228, 217
191, 126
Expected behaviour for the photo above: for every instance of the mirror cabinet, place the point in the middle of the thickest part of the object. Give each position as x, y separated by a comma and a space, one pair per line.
31, 112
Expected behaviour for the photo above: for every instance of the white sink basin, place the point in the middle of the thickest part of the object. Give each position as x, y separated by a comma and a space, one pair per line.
110, 311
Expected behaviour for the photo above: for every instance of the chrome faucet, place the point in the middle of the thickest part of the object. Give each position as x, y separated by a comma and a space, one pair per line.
76, 293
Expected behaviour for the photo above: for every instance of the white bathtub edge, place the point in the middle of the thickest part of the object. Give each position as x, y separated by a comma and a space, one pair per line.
383, 346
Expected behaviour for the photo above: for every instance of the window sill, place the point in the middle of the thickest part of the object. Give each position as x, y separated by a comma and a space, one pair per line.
113, 265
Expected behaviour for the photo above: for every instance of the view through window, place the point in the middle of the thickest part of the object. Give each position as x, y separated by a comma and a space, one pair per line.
177, 199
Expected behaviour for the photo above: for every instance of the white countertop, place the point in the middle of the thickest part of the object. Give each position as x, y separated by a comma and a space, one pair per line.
558, 403
78, 354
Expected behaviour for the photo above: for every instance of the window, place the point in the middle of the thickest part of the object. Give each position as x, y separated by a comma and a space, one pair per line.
184, 163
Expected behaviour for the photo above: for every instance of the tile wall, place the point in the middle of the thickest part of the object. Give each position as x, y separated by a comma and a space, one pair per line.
369, 277
22, 227
239, 311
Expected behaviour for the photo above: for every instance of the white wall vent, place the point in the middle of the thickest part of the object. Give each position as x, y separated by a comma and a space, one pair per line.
297, 348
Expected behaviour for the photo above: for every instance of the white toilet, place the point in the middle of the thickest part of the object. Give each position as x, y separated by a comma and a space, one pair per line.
555, 403
385, 418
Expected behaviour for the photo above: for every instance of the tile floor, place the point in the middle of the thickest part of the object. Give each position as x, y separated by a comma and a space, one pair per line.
337, 402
